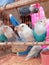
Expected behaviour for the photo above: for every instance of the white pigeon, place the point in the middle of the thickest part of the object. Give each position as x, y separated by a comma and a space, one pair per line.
9, 33
25, 32
40, 30
34, 52
40, 26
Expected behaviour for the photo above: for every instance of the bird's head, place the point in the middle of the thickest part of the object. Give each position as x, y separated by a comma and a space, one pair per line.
33, 9
21, 27
42, 22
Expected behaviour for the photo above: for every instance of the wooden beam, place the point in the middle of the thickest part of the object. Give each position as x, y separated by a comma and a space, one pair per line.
26, 43
18, 4
31, 43
20, 46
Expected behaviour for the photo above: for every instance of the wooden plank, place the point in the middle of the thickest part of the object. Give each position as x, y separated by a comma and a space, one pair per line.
25, 43
31, 43
18, 4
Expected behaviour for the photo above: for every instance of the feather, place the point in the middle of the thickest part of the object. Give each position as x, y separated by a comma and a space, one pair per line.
40, 30
25, 32
34, 52
9, 33
3, 38
40, 27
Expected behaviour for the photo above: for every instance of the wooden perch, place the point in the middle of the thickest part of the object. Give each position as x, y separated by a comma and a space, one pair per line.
19, 4
25, 43
31, 43
19, 46
22, 46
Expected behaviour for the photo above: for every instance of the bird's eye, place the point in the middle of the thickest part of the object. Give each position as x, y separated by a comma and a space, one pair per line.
22, 25
40, 21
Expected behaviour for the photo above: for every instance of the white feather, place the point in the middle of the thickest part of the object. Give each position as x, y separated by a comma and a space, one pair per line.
26, 32
9, 33
33, 52
40, 27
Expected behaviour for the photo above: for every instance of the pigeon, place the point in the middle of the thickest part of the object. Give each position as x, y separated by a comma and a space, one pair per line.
34, 52
3, 38
39, 31
26, 10
9, 33
13, 20
25, 32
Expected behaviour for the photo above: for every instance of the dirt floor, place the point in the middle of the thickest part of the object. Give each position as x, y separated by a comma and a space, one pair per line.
13, 59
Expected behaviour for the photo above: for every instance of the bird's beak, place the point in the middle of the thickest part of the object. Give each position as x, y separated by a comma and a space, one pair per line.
17, 28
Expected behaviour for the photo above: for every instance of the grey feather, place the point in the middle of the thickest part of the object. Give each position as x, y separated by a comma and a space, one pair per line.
34, 52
